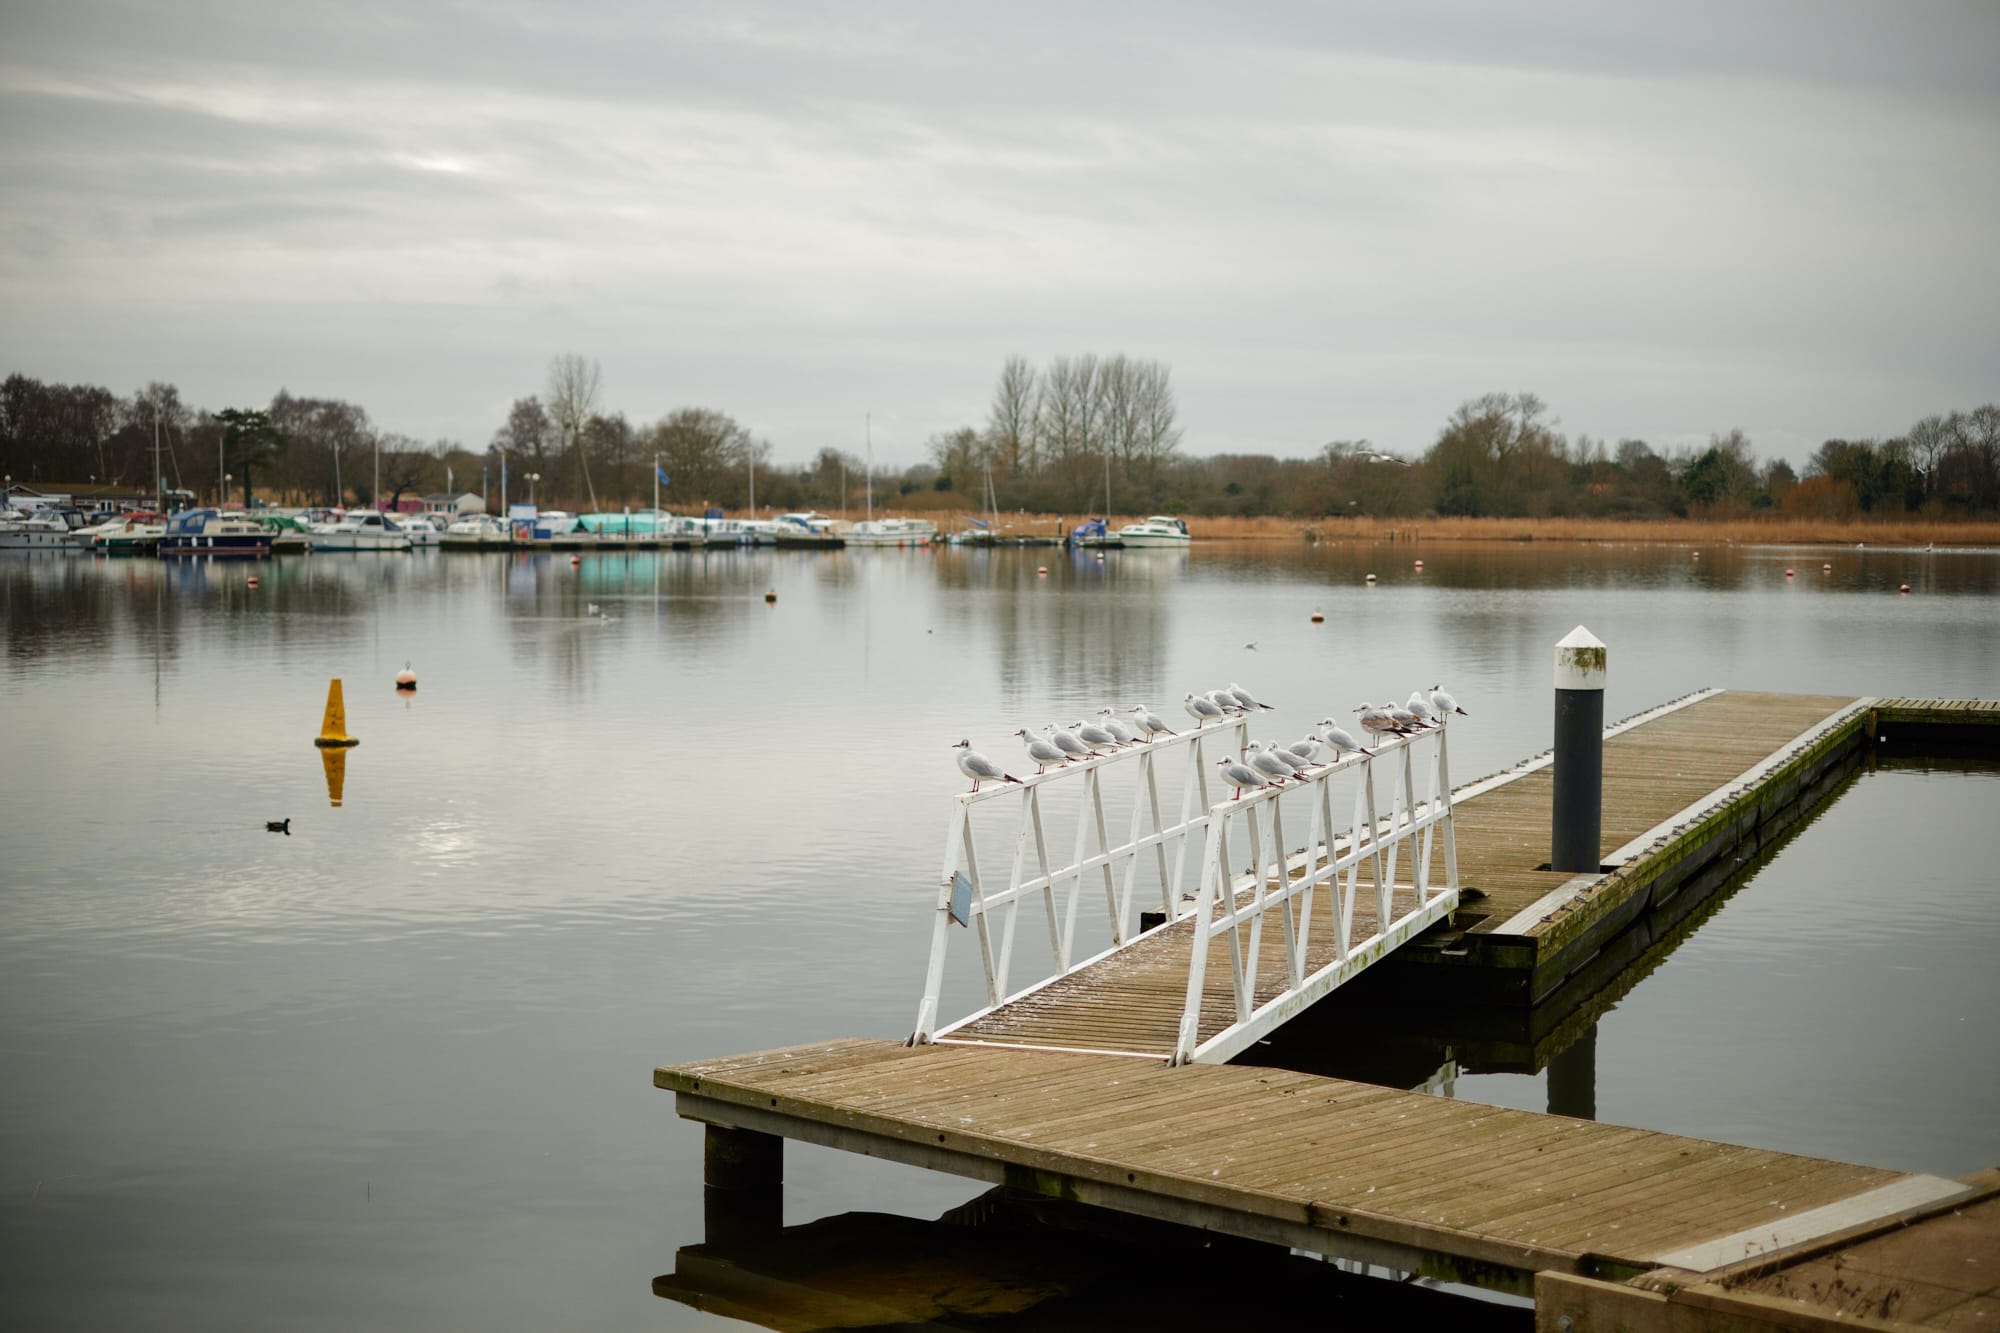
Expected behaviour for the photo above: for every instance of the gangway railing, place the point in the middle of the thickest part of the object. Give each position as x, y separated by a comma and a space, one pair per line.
1234, 907
966, 896
1362, 855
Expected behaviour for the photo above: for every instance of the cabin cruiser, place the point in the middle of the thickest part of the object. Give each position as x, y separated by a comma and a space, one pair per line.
475, 530
214, 532
136, 533
1159, 530
423, 530
892, 532
34, 530
361, 530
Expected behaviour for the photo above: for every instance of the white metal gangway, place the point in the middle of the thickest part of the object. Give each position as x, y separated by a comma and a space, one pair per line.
1341, 864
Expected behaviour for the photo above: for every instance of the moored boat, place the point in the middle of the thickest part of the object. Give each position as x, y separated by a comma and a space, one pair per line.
892, 532
213, 532
1158, 530
360, 530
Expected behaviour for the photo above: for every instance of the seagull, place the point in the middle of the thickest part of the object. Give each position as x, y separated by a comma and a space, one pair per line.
1039, 750
1242, 696
1418, 708
1149, 724
1226, 701
1376, 722
1201, 708
1284, 753
1240, 777
1067, 743
1096, 737
283, 826
1306, 749
978, 767
1268, 764
1443, 704
1121, 733
1340, 739
1405, 720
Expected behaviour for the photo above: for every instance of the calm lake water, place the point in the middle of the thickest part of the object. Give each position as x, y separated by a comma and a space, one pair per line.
394, 1069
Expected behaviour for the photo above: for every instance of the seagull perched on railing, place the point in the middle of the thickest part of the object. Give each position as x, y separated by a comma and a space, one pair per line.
1377, 722
1227, 701
1067, 743
1442, 703
1240, 777
1096, 737
1270, 765
1405, 720
1039, 750
1340, 739
1419, 709
979, 768
1121, 733
1201, 708
1298, 763
1149, 724
1243, 697
1306, 749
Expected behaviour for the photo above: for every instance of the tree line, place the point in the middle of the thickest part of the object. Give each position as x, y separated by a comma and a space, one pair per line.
1081, 434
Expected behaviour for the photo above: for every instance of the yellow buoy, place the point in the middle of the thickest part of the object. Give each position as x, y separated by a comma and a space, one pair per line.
333, 726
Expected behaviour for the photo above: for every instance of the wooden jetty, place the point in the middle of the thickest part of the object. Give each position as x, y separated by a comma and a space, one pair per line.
1081, 1087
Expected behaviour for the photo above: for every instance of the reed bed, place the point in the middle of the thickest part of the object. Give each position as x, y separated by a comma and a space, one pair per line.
1772, 531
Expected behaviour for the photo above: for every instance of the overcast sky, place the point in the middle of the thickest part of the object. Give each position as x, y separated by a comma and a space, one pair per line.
1331, 221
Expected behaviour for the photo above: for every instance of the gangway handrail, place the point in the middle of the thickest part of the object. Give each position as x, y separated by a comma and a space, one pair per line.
1148, 832
1228, 902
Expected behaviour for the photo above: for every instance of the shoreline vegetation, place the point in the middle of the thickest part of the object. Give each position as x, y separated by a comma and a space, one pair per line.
1774, 530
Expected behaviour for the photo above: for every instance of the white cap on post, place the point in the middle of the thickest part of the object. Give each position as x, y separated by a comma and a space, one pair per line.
1580, 663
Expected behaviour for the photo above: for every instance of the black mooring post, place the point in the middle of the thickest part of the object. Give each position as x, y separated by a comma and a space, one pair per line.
1577, 819
743, 1173
1573, 1078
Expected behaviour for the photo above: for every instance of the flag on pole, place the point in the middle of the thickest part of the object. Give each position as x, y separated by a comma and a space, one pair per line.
661, 475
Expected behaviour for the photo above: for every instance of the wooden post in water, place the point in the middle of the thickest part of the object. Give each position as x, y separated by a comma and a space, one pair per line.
1577, 813
743, 1172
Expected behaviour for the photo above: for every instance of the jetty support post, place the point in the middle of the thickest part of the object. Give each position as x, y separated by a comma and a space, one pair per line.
1577, 814
743, 1178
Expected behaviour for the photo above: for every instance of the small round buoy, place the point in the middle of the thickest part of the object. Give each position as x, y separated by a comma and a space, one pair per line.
1318, 619
1371, 578
1100, 557
1826, 569
253, 580
1788, 573
1041, 571
406, 679
1905, 588
1420, 564
770, 597
575, 560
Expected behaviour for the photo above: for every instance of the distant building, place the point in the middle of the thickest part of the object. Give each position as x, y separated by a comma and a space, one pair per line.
454, 506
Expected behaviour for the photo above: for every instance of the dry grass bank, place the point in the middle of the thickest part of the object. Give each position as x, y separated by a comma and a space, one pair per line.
1772, 531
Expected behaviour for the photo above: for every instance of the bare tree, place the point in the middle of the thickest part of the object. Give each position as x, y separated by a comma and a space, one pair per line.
574, 383
1010, 425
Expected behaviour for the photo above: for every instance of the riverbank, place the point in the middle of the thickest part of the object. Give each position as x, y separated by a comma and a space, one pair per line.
1771, 531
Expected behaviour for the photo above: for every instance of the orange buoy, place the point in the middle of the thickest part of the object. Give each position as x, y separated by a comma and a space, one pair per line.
1905, 588
1420, 564
575, 560
1318, 619
771, 597
406, 679
1041, 571
253, 580
1788, 573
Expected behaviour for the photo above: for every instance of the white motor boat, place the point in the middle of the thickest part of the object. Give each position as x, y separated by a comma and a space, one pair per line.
37, 530
892, 532
475, 530
1159, 530
423, 530
361, 530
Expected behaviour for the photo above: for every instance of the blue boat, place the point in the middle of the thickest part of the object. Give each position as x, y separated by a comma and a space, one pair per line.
212, 532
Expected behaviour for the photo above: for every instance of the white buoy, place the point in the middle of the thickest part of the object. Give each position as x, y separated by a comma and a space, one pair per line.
406, 679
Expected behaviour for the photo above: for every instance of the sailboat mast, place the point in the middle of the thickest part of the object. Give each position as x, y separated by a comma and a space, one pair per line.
868, 429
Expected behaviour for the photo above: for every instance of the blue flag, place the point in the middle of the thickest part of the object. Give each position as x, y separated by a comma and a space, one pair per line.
661, 475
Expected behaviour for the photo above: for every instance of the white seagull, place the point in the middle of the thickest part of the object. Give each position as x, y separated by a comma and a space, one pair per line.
1377, 722
1340, 738
1243, 697
1240, 777
1067, 743
1096, 737
1201, 708
1148, 723
1270, 765
1419, 709
978, 767
1039, 750
1443, 704
1121, 733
